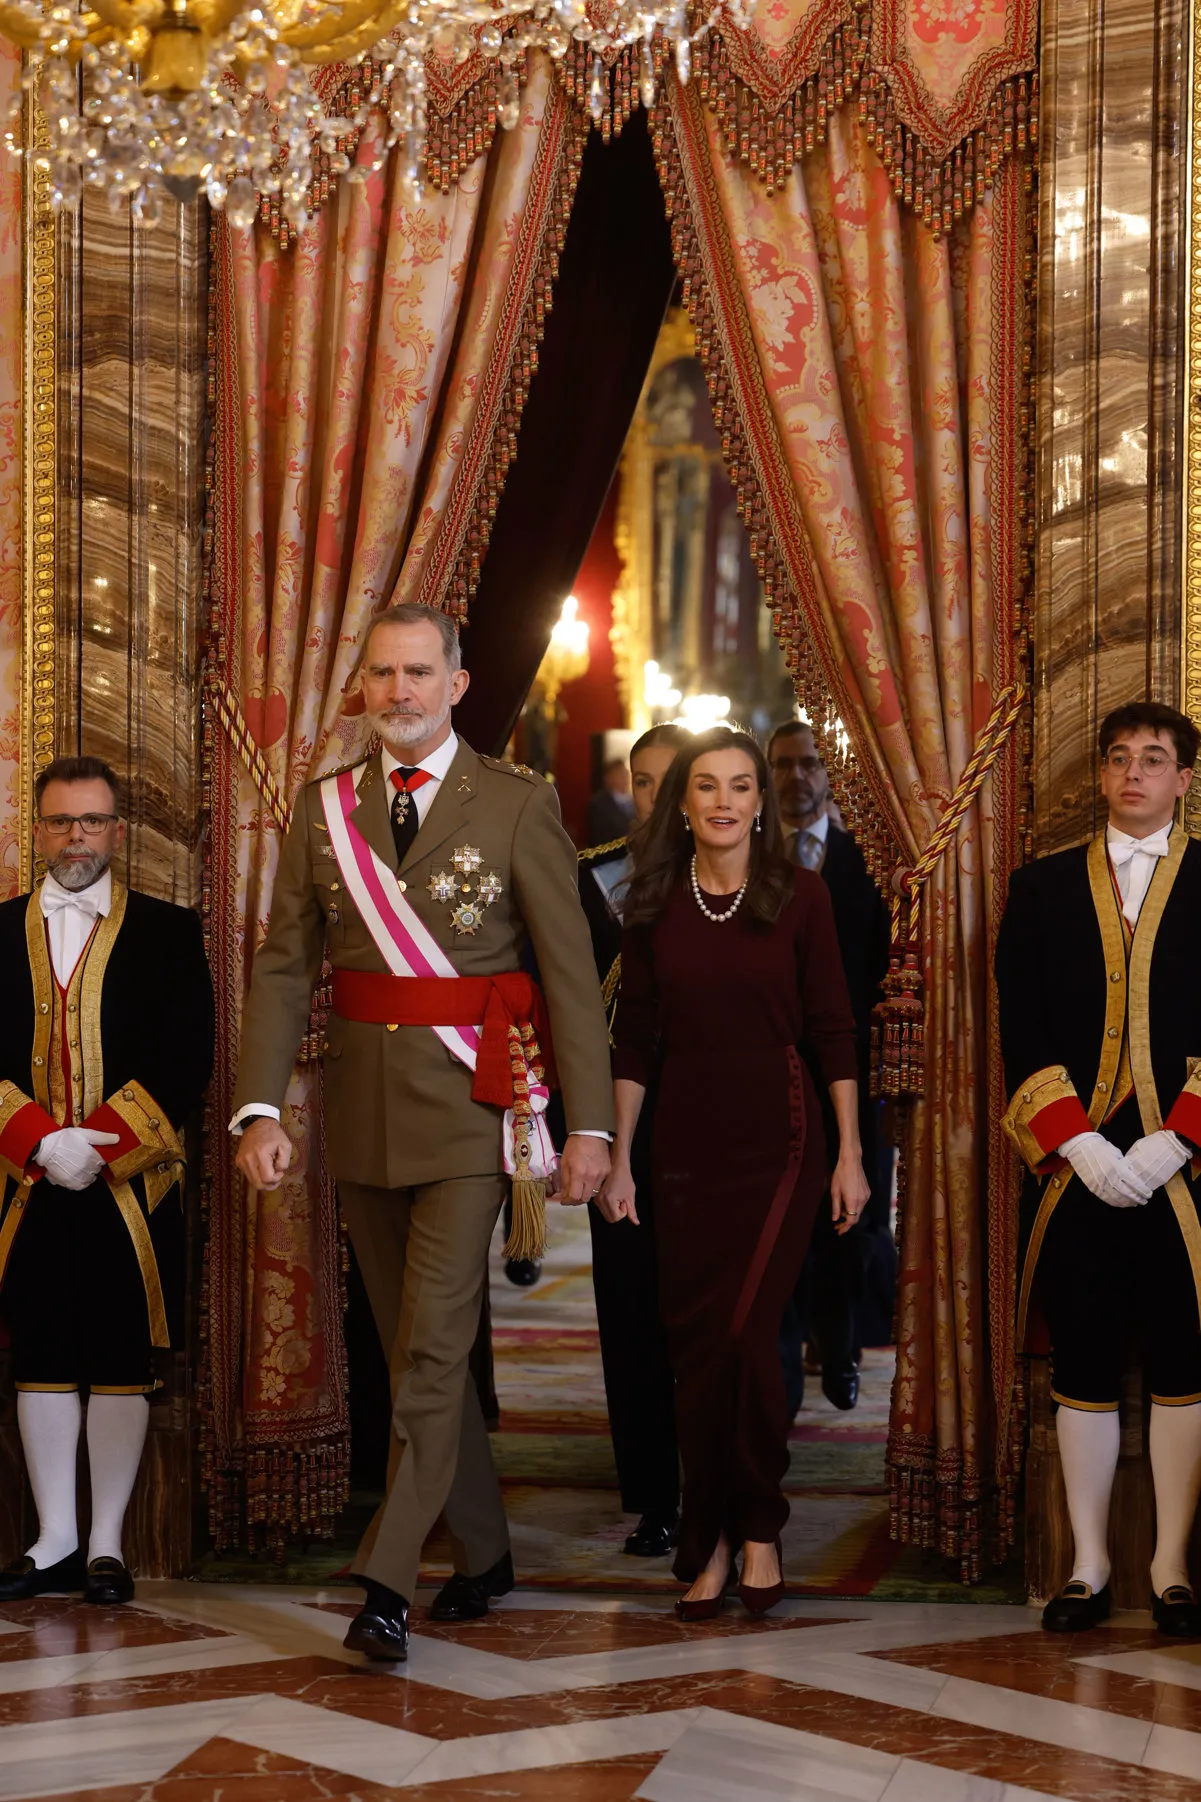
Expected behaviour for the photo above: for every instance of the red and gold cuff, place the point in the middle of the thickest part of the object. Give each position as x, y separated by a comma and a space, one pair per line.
1044, 1112
22, 1124
146, 1139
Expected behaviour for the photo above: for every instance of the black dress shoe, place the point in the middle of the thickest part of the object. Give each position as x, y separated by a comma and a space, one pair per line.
1076, 1608
108, 1583
523, 1271
467, 1598
841, 1387
1177, 1612
381, 1628
22, 1578
653, 1537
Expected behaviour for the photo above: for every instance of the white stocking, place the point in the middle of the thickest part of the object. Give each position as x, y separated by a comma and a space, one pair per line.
49, 1423
1088, 1452
1176, 1471
116, 1435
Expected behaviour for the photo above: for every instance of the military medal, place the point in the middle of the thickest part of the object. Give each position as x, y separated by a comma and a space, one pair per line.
467, 918
466, 860
442, 886
471, 901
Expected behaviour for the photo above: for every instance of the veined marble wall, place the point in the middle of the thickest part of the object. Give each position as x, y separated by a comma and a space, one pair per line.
1110, 369
133, 332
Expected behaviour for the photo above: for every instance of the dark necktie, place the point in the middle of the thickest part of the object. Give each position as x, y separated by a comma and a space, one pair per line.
404, 808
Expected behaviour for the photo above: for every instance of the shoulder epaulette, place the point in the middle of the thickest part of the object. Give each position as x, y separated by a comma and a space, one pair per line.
511, 769
342, 770
591, 852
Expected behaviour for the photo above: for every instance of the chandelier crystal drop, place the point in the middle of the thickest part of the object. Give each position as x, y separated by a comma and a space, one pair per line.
150, 100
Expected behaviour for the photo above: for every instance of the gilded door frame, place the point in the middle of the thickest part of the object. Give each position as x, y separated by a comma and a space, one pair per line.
39, 469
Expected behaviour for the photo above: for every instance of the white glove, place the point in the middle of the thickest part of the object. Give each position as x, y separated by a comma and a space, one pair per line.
69, 1157
1102, 1169
1153, 1161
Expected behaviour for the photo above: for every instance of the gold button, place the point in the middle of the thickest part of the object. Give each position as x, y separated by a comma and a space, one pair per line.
1101, 1088
392, 1028
127, 1094
325, 1044
162, 1167
1026, 1095
333, 888
70, 1007
154, 1125
1063, 1076
44, 1008
401, 885
75, 1044
1115, 976
38, 1062
1111, 1032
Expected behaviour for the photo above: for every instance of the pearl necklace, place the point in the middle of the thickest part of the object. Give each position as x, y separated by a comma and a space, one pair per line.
708, 911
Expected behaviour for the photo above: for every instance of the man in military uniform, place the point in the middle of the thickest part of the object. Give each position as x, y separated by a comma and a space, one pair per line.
107, 1048
428, 872
1099, 982
639, 1386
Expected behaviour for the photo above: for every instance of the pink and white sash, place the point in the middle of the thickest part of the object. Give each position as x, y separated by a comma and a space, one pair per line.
409, 949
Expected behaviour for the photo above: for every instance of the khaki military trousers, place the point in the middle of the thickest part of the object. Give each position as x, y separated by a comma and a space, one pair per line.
423, 1253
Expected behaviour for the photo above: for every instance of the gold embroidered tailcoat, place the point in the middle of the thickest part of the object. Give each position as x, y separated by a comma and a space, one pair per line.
1100, 1026
398, 1106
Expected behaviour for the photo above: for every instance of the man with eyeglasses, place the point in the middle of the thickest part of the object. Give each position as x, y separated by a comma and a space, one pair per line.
832, 1282
1099, 983
107, 1047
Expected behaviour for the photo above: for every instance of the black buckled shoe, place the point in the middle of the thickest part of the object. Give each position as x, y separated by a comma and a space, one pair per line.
1076, 1608
841, 1387
653, 1537
467, 1598
22, 1579
108, 1583
381, 1628
1177, 1612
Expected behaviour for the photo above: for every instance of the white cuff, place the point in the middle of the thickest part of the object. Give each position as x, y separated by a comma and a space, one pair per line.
252, 1110
587, 1132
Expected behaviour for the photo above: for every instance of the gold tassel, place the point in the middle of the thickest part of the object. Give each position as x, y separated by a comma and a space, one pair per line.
527, 1235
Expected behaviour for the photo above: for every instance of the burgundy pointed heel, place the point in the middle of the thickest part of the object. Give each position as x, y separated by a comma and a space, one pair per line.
711, 1606
760, 1600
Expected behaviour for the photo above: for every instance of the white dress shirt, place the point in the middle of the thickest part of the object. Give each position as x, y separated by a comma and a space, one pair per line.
438, 765
1135, 861
71, 916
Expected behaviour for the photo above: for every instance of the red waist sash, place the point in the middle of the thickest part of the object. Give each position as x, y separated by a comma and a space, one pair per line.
493, 1002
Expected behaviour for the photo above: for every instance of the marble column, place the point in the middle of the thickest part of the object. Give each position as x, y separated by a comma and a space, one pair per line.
1107, 610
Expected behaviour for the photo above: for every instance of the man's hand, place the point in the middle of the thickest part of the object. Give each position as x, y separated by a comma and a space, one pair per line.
1102, 1169
582, 1170
616, 1200
264, 1153
69, 1157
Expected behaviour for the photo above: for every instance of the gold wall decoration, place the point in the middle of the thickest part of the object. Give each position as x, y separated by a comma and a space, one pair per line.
39, 472
1190, 613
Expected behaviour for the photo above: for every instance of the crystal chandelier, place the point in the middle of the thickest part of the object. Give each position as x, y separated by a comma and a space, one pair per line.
150, 99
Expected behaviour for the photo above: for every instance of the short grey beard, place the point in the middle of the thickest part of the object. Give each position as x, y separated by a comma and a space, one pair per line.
77, 873
399, 733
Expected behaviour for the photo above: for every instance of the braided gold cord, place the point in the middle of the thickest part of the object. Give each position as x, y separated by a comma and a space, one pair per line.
234, 721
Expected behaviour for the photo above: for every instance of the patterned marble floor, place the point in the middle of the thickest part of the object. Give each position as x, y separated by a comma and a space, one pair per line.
203, 1693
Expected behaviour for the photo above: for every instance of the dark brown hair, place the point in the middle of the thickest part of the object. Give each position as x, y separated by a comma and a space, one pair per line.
663, 848
666, 734
77, 769
1153, 716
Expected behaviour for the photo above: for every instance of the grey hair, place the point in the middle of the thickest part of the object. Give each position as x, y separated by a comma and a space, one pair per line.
411, 613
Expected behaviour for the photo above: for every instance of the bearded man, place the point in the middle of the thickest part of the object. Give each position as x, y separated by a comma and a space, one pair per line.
107, 1048
428, 872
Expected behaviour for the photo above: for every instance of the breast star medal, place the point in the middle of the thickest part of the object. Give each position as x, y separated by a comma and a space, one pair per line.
471, 901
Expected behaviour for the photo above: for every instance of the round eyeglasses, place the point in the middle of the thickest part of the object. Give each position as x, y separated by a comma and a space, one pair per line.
1151, 763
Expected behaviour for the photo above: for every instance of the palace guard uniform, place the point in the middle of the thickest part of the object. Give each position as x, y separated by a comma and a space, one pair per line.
1101, 1032
91, 1280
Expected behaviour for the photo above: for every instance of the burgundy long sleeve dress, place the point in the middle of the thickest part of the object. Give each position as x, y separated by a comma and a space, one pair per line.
739, 1168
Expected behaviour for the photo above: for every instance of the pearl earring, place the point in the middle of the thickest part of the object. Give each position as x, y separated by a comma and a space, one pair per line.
758, 826
687, 821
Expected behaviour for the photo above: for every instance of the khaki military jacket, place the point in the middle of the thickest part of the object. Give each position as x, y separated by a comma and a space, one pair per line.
398, 1106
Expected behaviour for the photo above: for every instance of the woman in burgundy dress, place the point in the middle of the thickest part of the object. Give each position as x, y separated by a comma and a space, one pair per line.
729, 964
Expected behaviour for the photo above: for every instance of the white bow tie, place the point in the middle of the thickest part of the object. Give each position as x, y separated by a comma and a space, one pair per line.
1123, 849
54, 900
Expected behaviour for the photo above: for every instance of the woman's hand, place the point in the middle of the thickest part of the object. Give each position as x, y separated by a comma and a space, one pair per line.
616, 1199
849, 1191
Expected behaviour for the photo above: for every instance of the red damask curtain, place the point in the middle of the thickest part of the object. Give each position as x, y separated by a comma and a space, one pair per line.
369, 382
868, 376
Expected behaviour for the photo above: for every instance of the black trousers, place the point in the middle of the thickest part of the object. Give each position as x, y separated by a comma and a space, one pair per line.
73, 1298
639, 1386
1107, 1276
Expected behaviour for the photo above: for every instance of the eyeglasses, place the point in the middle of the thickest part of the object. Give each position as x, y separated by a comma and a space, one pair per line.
58, 825
1151, 763
810, 764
